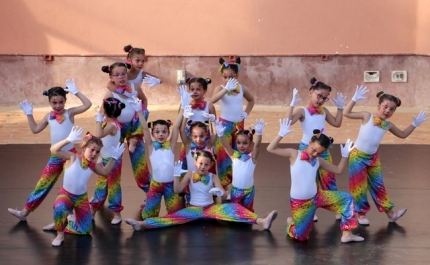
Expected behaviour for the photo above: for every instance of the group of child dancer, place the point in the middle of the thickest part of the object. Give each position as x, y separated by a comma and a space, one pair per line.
217, 158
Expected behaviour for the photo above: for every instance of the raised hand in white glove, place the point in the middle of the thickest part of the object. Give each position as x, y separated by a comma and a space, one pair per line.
74, 134
339, 101
210, 117
116, 152
231, 84
219, 128
244, 115
284, 125
185, 96
295, 99
346, 148
360, 91
71, 87
259, 126
151, 81
422, 117
135, 103
99, 117
177, 169
188, 112
27, 107
217, 192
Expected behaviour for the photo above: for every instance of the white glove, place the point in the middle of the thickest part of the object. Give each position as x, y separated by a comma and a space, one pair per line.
219, 127
210, 117
231, 84
217, 192
360, 91
27, 107
295, 99
74, 134
152, 81
71, 87
99, 117
116, 152
243, 115
339, 101
422, 117
188, 112
177, 169
260, 124
346, 148
185, 96
284, 125
135, 103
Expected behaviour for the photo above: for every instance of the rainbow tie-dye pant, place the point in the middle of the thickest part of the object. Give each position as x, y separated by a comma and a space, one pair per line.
244, 197
153, 199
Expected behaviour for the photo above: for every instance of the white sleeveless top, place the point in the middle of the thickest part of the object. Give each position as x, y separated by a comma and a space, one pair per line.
232, 106
312, 122
200, 195
60, 131
162, 161
243, 173
369, 137
303, 179
137, 81
110, 141
127, 113
198, 114
76, 178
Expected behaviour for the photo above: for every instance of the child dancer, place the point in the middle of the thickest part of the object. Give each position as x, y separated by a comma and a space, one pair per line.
60, 121
305, 196
110, 186
230, 95
160, 161
364, 164
130, 123
244, 162
314, 115
73, 195
203, 186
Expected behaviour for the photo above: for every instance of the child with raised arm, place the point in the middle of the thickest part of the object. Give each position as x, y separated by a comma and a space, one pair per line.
305, 197
203, 186
244, 161
73, 195
230, 95
60, 121
365, 172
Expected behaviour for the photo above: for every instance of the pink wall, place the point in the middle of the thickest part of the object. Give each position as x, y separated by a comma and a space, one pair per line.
270, 79
195, 27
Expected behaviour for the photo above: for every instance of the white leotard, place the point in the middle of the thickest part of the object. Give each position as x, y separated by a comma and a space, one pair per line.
198, 114
76, 178
243, 173
200, 195
60, 131
231, 106
137, 81
162, 161
312, 122
303, 182
369, 137
110, 141
127, 113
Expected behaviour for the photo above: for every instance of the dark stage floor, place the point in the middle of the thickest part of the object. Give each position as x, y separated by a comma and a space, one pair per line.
406, 172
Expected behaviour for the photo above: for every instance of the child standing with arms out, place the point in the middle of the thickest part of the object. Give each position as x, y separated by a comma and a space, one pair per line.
109, 187
365, 172
203, 186
73, 195
230, 95
244, 162
314, 115
305, 197
60, 121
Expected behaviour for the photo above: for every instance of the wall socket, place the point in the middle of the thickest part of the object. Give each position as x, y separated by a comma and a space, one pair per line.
371, 76
399, 76
180, 77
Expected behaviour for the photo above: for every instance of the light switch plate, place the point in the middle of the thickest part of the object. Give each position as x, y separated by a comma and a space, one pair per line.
399, 76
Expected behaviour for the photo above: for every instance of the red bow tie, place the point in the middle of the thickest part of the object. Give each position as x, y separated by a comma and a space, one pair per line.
198, 105
313, 110
122, 89
57, 116
305, 156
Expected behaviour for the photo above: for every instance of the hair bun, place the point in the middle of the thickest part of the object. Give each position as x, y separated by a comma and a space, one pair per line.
45, 93
128, 48
221, 60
